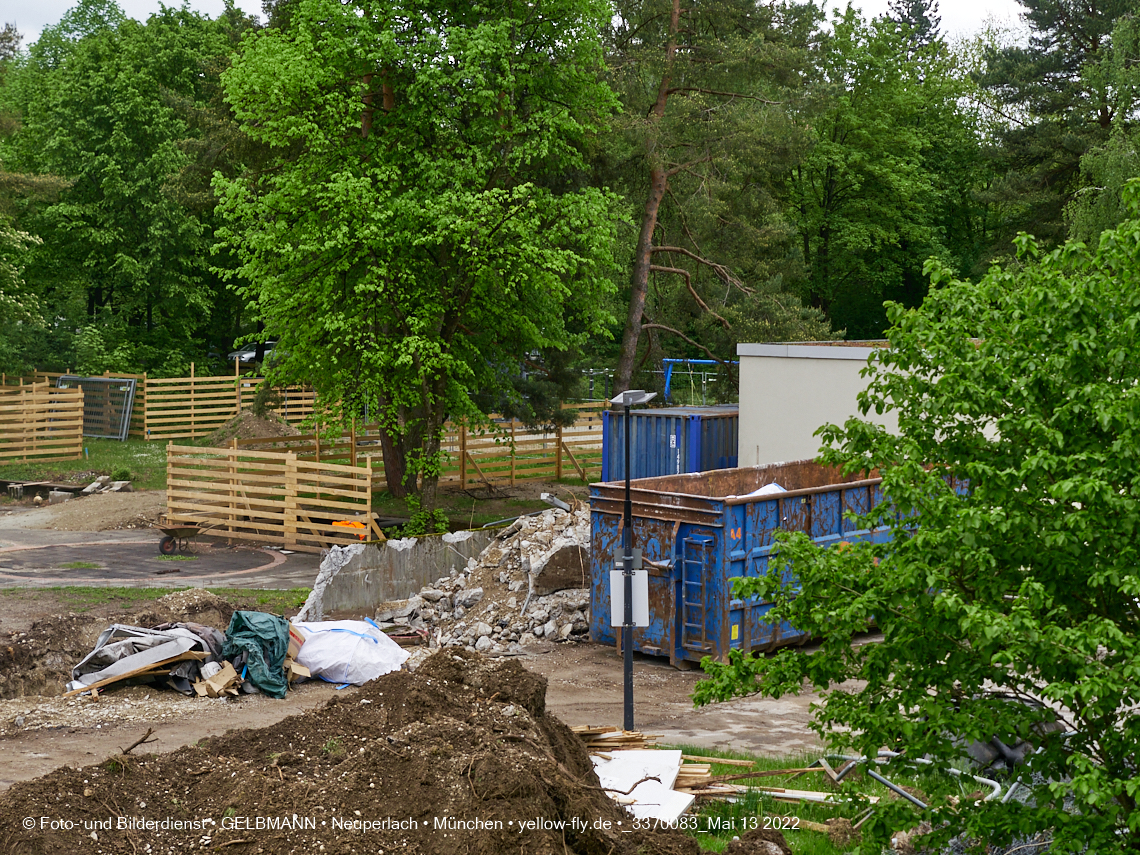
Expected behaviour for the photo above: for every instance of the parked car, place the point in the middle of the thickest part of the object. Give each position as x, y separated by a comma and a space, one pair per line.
248, 354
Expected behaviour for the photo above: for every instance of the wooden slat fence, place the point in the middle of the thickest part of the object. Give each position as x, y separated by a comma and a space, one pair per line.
38, 421
192, 407
268, 496
169, 408
507, 455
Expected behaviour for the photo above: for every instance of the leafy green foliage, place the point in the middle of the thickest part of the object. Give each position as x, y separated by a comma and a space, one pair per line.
886, 182
1053, 112
701, 153
1013, 492
426, 522
1106, 167
421, 222
96, 102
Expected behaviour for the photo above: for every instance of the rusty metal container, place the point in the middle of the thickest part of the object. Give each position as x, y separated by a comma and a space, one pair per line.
698, 531
670, 441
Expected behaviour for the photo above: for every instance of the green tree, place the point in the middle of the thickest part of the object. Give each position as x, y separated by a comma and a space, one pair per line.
424, 221
1013, 499
707, 139
920, 18
1054, 112
887, 181
1105, 168
96, 105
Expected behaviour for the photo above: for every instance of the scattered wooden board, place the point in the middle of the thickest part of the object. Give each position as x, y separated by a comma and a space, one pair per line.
602, 738
140, 672
724, 761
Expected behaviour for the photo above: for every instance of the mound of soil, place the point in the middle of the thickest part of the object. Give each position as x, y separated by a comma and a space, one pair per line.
39, 661
195, 604
245, 425
451, 758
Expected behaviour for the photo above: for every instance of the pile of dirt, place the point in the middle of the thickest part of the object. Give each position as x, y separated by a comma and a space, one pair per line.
195, 605
529, 584
245, 425
460, 756
39, 661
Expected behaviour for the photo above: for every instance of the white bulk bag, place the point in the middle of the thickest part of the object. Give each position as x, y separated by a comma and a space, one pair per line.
347, 651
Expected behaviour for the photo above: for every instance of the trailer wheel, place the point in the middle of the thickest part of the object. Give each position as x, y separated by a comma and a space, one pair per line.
167, 546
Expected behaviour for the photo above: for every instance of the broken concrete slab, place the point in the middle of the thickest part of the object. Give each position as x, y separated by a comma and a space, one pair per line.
569, 567
96, 484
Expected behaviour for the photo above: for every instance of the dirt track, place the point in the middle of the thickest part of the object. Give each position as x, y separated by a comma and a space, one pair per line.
41, 733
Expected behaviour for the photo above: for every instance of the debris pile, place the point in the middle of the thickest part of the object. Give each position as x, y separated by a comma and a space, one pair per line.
455, 757
530, 584
39, 661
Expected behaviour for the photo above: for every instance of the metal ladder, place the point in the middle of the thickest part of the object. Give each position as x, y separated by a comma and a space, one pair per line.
694, 551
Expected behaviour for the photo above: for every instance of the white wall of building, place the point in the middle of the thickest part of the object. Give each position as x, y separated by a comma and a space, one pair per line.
788, 391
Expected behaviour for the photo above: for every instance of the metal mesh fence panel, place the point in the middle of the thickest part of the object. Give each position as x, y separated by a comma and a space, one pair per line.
107, 404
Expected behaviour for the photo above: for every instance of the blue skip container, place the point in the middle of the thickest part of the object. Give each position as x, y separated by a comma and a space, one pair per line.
698, 531
670, 441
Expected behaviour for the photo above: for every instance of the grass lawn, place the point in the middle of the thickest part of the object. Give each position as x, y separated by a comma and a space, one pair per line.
146, 462
717, 822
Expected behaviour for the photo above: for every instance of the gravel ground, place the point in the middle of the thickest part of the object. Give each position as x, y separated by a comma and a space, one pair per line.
100, 512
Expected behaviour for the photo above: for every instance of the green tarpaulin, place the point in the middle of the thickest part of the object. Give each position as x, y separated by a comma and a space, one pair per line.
265, 640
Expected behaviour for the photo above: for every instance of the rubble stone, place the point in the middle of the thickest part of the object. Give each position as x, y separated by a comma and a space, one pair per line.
468, 598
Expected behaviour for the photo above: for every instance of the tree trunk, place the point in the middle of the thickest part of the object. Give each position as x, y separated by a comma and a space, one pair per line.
641, 264
429, 483
658, 184
395, 465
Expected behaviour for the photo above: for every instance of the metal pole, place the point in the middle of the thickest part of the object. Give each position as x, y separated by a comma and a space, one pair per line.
627, 578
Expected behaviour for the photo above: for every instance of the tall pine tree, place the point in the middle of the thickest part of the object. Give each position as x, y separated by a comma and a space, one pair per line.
1055, 112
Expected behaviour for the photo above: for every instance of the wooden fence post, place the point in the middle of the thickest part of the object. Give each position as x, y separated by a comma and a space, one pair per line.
169, 446
232, 473
463, 457
352, 442
193, 419
290, 531
237, 382
558, 453
512, 452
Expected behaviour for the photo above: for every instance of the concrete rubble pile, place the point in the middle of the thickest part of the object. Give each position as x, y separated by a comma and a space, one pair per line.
530, 584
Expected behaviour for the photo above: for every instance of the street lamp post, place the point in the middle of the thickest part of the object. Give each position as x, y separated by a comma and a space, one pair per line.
628, 399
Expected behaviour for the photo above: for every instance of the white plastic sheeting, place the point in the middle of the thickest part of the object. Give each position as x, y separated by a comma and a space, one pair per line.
651, 799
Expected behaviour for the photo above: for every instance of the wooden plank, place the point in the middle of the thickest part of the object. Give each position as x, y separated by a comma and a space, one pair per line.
574, 460
199, 655
696, 758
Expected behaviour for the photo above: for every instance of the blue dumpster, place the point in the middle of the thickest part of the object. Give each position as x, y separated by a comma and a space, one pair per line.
670, 441
698, 531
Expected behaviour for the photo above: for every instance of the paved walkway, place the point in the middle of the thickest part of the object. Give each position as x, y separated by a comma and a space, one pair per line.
37, 558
